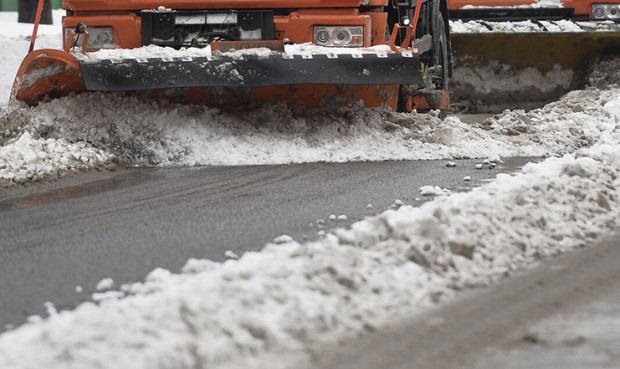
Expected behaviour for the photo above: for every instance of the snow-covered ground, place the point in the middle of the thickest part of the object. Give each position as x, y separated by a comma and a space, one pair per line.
269, 308
292, 297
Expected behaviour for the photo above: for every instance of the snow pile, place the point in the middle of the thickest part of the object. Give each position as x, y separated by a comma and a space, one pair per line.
27, 159
142, 133
292, 297
584, 115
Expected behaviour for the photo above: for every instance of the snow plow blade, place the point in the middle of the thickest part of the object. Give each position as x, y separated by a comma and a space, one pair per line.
355, 76
495, 71
540, 50
251, 71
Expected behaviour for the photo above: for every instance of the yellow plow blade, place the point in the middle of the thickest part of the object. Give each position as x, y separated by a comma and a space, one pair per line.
541, 50
494, 71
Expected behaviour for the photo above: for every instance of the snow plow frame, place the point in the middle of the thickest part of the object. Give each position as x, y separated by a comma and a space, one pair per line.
393, 78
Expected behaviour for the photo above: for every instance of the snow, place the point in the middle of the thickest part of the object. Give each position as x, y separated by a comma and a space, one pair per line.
283, 239
477, 87
95, 131
434, 191
534, 4
105, 284
291, 297
231, 254
512, 80
460, 26
153, 51
27, 159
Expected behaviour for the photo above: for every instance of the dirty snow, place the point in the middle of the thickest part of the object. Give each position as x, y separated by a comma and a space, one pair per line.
137, 133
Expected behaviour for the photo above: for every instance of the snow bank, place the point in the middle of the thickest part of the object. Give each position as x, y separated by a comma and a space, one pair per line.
141, 133
291, 297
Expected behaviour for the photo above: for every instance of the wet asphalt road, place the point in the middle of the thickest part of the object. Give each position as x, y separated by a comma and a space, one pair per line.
123, 224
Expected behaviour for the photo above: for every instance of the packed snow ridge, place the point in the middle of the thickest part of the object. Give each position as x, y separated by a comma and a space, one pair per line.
291, 297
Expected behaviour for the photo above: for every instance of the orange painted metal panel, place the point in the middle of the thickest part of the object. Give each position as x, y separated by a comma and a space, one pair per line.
98, 5
126, 27
299, 26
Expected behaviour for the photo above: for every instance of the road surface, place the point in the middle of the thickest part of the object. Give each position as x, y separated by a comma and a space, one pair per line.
122, 225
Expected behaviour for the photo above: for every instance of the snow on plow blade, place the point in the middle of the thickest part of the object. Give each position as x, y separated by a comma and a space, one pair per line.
45, 74
494, 71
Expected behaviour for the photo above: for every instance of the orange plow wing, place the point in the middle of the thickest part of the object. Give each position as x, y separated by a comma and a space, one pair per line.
47, 72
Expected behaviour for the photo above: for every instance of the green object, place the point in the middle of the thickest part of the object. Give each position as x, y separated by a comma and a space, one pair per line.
8, 5
11, 5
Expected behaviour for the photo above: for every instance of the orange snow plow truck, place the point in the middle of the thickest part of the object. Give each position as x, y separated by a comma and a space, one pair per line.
235, 53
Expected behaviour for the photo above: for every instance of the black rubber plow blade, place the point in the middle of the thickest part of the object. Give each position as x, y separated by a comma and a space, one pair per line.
251, 71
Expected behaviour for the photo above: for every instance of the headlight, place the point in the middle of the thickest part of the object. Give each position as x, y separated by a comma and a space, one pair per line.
340, 36
99, 38
606, 11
